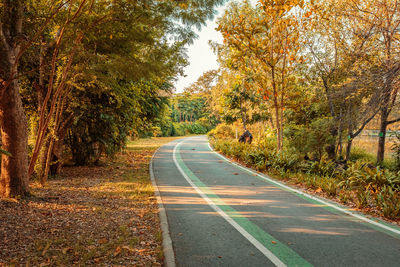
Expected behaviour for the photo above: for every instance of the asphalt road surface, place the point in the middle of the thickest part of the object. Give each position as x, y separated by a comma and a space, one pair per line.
221, 214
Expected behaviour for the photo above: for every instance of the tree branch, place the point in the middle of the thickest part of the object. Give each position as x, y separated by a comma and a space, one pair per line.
393, 121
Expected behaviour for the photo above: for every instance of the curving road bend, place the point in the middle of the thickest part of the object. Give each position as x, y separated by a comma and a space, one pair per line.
221, 214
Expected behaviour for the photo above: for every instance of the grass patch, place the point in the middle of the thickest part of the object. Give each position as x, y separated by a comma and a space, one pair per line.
370, 144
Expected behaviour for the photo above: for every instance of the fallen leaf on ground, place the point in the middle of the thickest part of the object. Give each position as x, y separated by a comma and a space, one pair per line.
117, 251
128, 248
103, 241
65, 250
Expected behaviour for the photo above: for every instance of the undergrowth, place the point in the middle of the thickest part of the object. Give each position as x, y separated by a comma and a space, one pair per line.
357, 182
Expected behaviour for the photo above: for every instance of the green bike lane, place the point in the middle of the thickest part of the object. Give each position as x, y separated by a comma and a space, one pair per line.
221, 215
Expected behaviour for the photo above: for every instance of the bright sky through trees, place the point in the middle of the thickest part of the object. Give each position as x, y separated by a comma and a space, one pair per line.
200, 54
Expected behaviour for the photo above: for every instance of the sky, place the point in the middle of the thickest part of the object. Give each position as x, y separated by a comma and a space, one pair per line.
200, 54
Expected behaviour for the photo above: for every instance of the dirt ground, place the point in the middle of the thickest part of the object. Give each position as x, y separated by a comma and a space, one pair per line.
100, 215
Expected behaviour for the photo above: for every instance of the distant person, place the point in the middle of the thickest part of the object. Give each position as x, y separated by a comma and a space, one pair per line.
246, 137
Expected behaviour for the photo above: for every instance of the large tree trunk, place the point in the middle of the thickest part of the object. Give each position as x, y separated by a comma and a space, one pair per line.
14, 170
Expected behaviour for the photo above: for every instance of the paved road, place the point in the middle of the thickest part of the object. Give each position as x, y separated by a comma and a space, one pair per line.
222, 215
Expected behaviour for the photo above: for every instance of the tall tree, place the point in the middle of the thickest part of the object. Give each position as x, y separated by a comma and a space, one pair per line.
158, 23
383, 16
267, 35
14, 169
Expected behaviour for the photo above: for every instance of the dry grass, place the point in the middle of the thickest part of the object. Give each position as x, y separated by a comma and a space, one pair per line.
370, 145
101, 215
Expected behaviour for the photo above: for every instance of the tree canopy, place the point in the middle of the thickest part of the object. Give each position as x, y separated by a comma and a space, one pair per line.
87, 73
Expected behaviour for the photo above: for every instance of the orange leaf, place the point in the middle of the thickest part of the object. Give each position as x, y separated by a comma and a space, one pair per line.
117, 251
103, 241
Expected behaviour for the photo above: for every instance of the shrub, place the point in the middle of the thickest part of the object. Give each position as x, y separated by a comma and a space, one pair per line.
388, 201
285, 159
353, 176
322, 167
311, 138
363, 198
222, 131
360, 182
329, 185
257, 158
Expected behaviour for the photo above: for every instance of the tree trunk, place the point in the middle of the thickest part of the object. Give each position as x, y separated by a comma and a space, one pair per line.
281, 126
339, 147
382, 135
55, 154
57, 158
40, 171
278, 128
278, 122
14, 170
348, 148
14, 132
243, 113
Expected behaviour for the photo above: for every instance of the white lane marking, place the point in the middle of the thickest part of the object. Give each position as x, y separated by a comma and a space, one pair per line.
307, 195
267, 253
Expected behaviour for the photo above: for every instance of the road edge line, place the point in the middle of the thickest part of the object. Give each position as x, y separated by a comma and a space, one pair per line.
265, 251
269, 179
168, 250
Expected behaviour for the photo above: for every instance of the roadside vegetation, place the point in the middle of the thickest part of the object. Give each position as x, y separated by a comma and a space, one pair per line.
307, 79
357, 183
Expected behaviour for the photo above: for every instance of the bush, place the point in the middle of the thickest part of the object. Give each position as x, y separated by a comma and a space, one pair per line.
388, 202
359, 182
362, 176
311, 138
258, 157
323, 167
284, 160
222, 131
